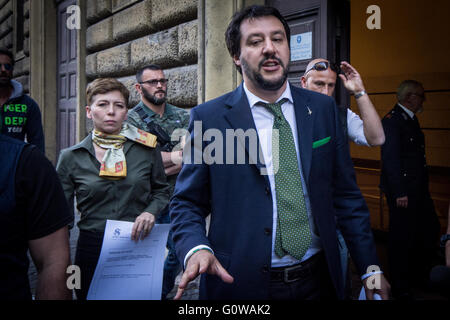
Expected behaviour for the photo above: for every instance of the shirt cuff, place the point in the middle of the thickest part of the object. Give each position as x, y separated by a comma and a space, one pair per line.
365, 276
194, 250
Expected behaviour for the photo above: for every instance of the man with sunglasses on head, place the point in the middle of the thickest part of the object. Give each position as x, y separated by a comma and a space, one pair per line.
155, 115
21, 114
321, 76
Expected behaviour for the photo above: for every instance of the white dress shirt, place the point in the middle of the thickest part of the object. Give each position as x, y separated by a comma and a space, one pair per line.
355, 129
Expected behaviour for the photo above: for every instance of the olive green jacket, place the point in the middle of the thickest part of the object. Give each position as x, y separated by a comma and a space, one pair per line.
97, 199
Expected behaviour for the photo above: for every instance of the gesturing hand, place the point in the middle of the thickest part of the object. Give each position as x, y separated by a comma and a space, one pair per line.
200, 262
350, 78
142, 226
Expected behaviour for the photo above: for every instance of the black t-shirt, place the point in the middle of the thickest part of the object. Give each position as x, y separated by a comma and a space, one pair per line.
41, 209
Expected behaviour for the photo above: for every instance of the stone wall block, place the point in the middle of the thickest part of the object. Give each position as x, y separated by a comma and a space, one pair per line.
100, 35
26, 28
25, 81
6, 11
159, 48
26, 47
26, 9
22, 67
4, 2
133, 22
6, 26
91, 66
130, 82
187, 42
182, 86
169, 13
97, 10
7, 41
114, 61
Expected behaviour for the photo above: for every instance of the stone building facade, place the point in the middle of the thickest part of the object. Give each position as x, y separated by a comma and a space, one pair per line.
114, 38
123, 36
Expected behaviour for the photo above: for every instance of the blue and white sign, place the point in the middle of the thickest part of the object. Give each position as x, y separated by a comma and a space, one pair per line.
301, 46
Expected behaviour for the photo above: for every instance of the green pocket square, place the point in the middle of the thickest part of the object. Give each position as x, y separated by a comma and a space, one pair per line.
321, 142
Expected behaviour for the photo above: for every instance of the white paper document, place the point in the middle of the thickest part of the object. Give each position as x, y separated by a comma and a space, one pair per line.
126, 269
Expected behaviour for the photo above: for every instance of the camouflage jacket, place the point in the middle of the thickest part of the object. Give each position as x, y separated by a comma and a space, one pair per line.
172, 119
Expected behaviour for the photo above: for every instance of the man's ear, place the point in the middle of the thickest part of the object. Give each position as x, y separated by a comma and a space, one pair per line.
138, 88
237, 61
303, 81
88, 112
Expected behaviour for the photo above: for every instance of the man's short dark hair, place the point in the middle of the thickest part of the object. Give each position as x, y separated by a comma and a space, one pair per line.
8, 53
147, 67
233, 33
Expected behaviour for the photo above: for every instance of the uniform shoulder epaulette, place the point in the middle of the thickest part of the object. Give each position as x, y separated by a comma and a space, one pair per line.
389, 114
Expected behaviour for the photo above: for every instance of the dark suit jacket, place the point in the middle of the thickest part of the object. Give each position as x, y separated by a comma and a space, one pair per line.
404, 171
240, 202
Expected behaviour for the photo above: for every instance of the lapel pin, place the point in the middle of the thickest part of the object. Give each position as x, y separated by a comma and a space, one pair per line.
309, 110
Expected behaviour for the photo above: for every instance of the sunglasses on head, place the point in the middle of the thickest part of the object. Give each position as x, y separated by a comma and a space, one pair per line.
7, 66
324, 65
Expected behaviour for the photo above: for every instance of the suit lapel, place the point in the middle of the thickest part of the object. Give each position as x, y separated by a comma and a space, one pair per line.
240, 116
304, 117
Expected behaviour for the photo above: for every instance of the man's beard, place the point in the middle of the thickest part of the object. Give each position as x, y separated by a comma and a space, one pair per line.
256, 77
5, 80
152, 99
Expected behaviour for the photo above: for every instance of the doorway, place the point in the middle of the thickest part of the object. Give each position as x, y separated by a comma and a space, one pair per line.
67, 79
319, 29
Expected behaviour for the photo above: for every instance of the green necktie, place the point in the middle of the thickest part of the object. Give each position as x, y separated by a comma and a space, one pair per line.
293, 235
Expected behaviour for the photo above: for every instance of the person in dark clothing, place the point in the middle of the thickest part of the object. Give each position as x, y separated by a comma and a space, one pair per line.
34, 216
21, 114
413, 223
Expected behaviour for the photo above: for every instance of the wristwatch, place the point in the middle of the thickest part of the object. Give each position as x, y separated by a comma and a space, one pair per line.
359, 94
444, 239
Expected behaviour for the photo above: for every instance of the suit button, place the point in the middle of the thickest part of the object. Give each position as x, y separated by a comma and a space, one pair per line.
267, 231
267, 191
265, 269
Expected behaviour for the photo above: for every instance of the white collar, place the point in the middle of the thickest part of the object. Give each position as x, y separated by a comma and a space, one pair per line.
252, 99
409, 112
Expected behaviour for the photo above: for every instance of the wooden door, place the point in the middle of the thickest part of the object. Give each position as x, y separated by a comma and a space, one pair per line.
67, 78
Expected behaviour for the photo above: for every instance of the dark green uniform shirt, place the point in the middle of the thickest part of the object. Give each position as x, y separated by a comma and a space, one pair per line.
172, 119
145, 187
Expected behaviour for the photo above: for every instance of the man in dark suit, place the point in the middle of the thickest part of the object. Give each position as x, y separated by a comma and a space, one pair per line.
413, 224
275, 188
